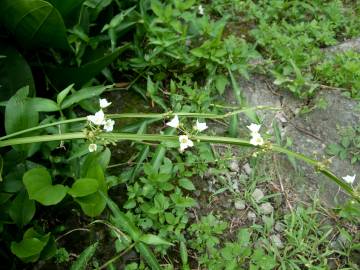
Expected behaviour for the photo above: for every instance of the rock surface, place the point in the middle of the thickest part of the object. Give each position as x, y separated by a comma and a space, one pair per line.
310, 132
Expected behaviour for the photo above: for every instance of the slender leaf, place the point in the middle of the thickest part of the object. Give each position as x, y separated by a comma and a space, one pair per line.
152, 239
83, 94
63, 94
84, 258
43, 104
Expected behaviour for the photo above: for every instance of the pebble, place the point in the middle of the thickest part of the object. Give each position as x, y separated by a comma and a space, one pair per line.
276, 240
251, 216
240, 204
266, 208
257, 195
279, 227
234, 166
247, 169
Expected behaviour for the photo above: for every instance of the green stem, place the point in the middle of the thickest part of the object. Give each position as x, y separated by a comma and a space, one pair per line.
43, 138
158, 116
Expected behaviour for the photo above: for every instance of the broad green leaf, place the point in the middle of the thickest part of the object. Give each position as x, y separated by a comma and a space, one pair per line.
186, 183
83, 187
22, 209
34, 23
43, 104
92, 205
62, 76
83, 259
32, 233
38, 184
85, 93
220, 82
14, 72
63, 94
152, 239
28, 250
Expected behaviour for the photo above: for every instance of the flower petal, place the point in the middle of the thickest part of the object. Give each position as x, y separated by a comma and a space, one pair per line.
104, 103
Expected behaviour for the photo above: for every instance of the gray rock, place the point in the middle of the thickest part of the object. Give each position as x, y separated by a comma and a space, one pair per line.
247, 169
266, 208
276, 240
257, 195
240, 204
351, 44
319, 128
234, 166
279, 227
309, 133
251, 216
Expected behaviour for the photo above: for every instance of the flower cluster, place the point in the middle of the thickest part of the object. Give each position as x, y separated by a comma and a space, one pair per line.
184, 140
256, 138
99, 119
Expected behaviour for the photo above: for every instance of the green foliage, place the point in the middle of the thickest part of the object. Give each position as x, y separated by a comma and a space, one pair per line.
341, 70
348, 147
176, 59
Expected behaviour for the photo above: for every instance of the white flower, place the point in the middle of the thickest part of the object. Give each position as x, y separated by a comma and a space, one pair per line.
349, 179
200, 126
201, 10
98, 119
104, 103
256, 139
109, 125
185, 142
92, 147
254, 128
174, 122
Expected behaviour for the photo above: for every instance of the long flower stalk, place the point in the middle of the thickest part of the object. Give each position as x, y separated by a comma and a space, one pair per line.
318, 165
